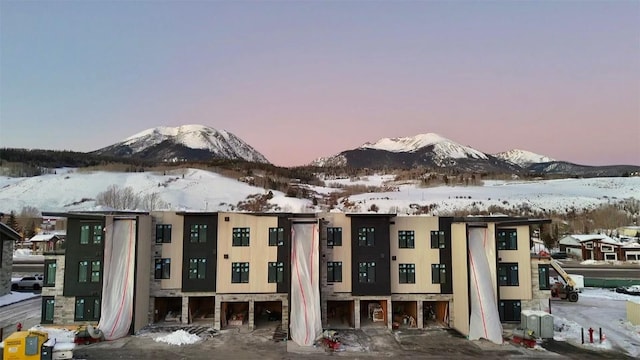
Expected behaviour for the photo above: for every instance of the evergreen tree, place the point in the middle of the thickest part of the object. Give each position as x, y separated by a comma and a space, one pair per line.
13, 223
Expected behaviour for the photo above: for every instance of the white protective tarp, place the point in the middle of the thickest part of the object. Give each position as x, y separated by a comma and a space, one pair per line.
485, 319
116, 311
305, 321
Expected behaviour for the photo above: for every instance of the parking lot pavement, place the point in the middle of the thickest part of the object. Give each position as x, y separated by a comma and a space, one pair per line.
358, 344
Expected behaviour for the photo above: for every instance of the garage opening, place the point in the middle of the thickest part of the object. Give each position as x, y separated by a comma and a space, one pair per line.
373, 313
435, 313
267, 314
167, 309
234, 314
202, 309
405, 314
341, 314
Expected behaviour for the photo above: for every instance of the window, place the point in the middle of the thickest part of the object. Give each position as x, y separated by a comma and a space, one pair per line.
588, 245
508, 274
276, 272
406, 239
197, 268
633, 255
334, 236
543, 277
49, 273
90, 234
241, 237
334, 271
438, 273
367, 272
366, 236
48, 307
437, 240
606, 248
509, 310
407, 273
83, 271
507, 239
240, 272
611, 256
276, 236
163, 269
163, 233
95, 271
198, 233
87, 309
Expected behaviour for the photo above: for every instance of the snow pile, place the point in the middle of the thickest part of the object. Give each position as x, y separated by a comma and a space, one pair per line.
570, 331
589, 262
14, 297
608, 294
178, 337
60, 335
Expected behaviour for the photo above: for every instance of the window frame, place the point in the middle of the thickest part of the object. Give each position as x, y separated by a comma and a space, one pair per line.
240, 268
94, 234
366, 236
407, 273
334, 268
406, 239
198, 233
438, 239
508, 274
96, 306
334, 236
241, 236
276, 236
505, 240
47, 280
439, 273
164, 271
368, 273
197, 269
513, 305
83, 271
542, 270
275, 272
45, 308
163, 233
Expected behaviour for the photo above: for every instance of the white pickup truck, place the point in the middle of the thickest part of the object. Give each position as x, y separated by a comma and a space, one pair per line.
28, 282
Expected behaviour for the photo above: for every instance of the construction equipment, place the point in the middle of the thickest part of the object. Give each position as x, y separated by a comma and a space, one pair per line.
566, 290
24, 345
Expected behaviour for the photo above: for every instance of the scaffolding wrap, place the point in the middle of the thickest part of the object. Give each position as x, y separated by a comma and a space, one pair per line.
116, 311
305, 321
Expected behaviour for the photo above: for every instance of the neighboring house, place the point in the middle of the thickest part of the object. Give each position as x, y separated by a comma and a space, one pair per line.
629, 231
571, 245
45, 242
7, 237
224, 269
600, 247
631, 251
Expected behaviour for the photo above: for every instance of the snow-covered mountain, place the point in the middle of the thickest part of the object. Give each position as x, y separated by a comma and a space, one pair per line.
187, 142
523, 157
430, 150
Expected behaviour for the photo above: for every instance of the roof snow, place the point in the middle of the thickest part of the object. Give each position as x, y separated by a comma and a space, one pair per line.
441, 146
523, 157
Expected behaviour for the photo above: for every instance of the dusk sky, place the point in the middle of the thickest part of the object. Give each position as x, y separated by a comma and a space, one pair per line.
300, 80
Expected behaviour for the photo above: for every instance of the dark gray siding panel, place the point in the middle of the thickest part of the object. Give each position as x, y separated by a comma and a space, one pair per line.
444, 224
379, 253
206, 250
74, 253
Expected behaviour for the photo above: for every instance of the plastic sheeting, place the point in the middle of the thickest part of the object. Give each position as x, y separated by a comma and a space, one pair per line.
485, 319
118, 280
305, 320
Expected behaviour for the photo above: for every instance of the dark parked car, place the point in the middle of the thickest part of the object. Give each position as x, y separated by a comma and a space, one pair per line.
559, 255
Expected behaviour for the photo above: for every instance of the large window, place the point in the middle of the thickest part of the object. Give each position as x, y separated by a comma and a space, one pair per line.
507, 239
543, 277
366, 236
406, 239
241, 237
89, 271
508, 274
407, 273
197, 268
49, 273
509, 310
163, 269
334, 236
437, 240
48, 307
334, 271
198, 233
438, 273
276, 236
367, 272
240, 272
87, 309
91, 234
276, 272
163, 233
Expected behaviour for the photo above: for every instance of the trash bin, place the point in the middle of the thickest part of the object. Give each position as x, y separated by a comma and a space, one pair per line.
46, 352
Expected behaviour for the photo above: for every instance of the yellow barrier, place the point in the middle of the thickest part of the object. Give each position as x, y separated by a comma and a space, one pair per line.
633, 312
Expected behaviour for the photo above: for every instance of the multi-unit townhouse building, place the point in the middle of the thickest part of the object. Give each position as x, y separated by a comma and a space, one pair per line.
228, 269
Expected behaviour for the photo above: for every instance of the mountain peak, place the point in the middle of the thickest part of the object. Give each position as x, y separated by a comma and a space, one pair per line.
181, 142
523, 157
442, 147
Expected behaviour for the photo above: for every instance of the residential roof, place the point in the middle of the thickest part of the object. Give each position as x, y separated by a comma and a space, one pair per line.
633, 245
43, 237
8, 233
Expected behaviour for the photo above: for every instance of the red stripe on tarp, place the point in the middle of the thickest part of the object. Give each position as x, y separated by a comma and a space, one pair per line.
304, 300
126, 281
475, 277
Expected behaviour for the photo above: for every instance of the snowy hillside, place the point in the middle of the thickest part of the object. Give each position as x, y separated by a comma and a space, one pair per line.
183, 189
523, 157
220, 143
193, 189
442, 147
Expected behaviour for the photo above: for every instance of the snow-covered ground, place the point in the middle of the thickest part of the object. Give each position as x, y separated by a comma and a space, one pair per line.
178, 337
200, 190
597, 308
14, 297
